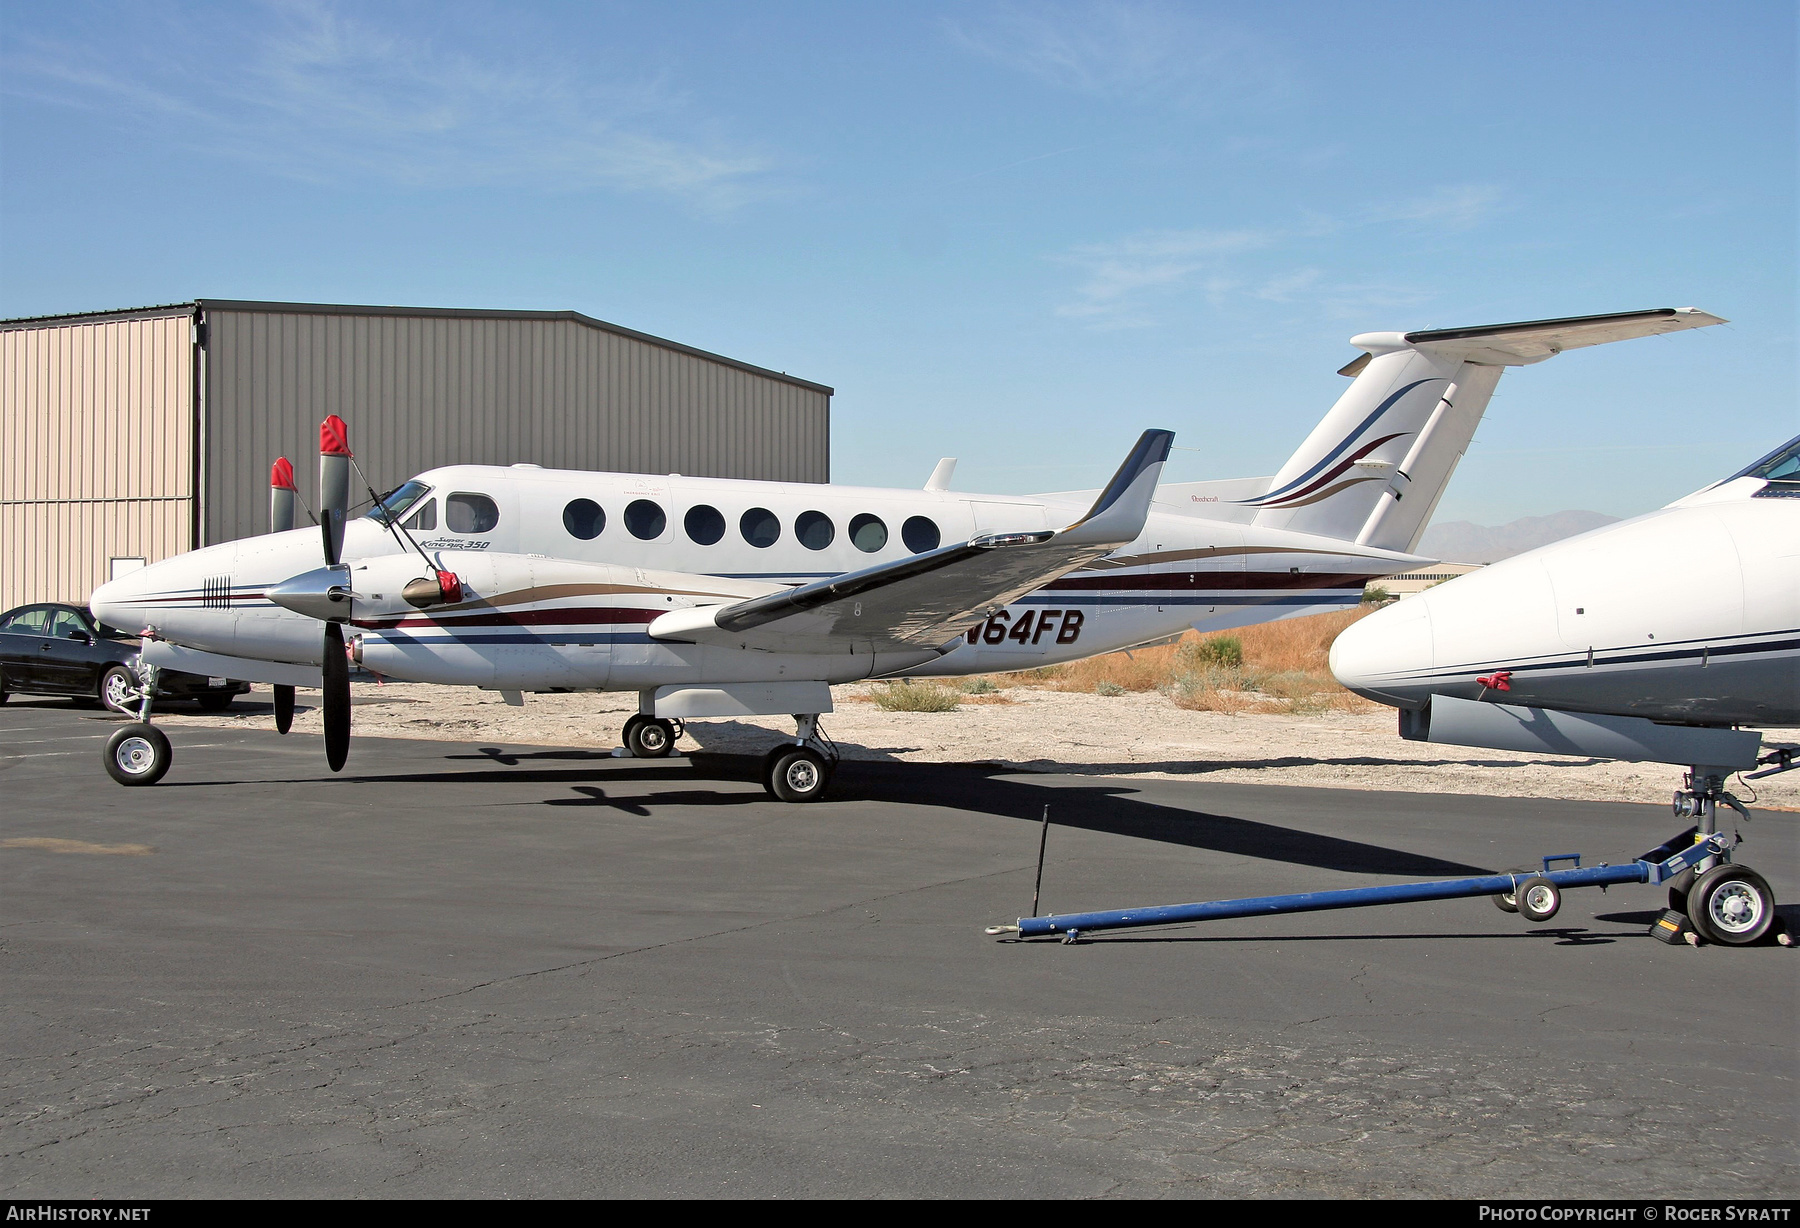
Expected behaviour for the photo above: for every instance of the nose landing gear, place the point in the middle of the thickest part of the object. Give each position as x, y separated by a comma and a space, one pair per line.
138, 753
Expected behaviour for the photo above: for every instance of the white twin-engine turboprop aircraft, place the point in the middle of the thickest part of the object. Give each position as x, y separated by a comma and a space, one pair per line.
722, 598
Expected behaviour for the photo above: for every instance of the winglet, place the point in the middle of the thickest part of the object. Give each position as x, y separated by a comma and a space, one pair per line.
1119, 513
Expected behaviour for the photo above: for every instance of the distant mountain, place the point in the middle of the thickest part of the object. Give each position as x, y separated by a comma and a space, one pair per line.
1461, 542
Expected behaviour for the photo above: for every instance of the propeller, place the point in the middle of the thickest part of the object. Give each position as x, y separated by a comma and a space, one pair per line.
325, 593
281, 518
334, 502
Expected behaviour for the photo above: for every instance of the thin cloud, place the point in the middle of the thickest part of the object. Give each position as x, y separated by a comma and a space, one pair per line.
1121, 274
315, 93
1127, 277
1136, 52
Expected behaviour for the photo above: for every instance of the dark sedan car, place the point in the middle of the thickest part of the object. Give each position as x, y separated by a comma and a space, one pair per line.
54, 649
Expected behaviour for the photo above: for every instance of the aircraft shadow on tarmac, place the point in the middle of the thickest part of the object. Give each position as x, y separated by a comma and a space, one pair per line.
987, 789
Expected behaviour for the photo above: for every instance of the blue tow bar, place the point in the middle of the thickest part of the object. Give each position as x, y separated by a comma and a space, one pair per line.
1072, 925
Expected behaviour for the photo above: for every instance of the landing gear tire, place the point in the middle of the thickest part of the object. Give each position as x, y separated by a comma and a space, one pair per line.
797, 775
138, 754
646, 737
1731, 905
1679, 886
1538, 899
118, 690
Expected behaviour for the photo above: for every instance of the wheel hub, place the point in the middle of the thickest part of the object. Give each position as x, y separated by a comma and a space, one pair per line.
803, 775
135, 755
1735, 908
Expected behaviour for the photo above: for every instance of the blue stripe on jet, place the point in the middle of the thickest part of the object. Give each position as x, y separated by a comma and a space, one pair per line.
1338, 451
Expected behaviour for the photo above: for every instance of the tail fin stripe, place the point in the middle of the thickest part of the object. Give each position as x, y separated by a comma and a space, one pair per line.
1289, 500
1349, 439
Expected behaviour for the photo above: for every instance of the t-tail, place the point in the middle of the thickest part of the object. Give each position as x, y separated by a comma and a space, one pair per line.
1374, 469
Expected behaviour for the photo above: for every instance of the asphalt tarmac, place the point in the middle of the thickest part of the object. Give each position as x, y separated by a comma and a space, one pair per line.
479, 970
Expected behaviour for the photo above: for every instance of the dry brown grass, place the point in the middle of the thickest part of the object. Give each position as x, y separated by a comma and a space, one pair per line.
1284, 669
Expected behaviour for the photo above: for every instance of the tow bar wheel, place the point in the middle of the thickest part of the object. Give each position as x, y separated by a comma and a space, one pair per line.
1538, 898
138, 754
1731, 905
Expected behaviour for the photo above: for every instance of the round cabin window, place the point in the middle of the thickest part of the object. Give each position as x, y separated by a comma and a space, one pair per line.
920, 534
760, 527
584, 518
867, 533
645, 519
704, 524
814, 529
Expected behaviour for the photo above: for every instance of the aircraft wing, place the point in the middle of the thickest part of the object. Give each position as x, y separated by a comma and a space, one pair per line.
1535, 340
926, 600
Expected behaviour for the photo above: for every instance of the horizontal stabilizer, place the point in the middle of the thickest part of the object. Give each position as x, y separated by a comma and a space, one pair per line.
1532, 341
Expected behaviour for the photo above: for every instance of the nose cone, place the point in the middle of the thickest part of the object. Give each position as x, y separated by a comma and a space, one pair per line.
119, 603
1387, 657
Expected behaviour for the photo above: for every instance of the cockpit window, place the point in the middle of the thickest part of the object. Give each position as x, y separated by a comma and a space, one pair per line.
424, 519
1781, 465
396, 501
469, 513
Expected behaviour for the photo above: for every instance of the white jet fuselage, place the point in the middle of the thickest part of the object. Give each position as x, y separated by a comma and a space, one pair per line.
1686, 614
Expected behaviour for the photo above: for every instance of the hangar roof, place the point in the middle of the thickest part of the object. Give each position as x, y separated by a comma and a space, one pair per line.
353, 309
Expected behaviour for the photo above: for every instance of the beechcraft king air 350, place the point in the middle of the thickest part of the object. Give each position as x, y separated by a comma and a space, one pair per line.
725, 598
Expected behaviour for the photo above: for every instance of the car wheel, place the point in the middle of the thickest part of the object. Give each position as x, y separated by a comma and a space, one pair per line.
118, 690
216, 703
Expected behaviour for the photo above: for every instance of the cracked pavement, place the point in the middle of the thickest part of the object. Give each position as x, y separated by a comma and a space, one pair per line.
522, 971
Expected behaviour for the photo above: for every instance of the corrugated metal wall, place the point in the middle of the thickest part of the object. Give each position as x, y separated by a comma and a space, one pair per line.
96, 452
421, 390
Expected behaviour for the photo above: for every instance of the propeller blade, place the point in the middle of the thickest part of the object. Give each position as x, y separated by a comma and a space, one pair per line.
284, 708
337, 698
334, 485
281, 495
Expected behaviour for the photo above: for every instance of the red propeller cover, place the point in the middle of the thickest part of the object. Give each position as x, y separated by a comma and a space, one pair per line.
281, 474
334, 437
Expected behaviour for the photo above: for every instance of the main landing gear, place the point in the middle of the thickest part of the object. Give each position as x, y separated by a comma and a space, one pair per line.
801, 770
138, 753
649, 737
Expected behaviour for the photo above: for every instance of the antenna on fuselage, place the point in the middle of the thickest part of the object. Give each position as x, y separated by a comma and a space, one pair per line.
940, 477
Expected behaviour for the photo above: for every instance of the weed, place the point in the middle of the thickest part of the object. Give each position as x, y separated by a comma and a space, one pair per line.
916, 697
977, 686
1214, 650
1103, 687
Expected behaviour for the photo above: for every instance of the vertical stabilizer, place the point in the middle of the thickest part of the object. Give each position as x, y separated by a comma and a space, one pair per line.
1374, 469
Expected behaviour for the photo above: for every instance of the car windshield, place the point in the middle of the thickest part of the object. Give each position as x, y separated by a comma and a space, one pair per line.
393, 505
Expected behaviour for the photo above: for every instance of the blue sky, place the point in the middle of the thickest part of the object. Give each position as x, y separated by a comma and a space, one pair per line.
1013, 233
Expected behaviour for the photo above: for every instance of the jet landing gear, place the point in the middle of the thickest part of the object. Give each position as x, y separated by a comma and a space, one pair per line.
801, 770
649, 737
139, 753
1724, 903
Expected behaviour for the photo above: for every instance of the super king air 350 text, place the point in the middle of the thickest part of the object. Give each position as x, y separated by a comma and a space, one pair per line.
722, 598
